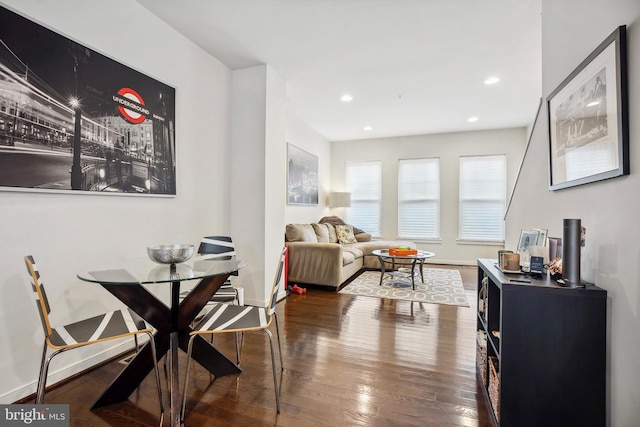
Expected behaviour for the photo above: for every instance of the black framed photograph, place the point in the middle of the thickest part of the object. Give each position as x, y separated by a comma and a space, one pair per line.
588, 118
302, 177
73, 120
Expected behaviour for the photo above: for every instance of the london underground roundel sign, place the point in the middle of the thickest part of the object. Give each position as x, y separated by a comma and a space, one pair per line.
131, 105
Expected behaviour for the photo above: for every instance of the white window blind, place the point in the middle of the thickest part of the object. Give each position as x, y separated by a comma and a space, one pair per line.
364, 181
483, 192
419, 198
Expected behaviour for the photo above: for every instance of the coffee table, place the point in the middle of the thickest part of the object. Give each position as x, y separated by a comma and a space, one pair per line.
404, 261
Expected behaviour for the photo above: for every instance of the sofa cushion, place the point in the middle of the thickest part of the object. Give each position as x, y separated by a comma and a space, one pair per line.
300, 233
333, 237
347, 258
363, 237
345, 234
336, 220
322, 232
353, 249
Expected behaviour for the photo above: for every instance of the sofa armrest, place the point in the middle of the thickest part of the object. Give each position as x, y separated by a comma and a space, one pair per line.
363, 237
315, 263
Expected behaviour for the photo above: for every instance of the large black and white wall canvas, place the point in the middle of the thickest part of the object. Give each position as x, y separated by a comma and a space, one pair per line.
588, 118
302, 177
74, 120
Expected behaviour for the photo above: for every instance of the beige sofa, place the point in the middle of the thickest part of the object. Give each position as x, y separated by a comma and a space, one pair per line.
317, 257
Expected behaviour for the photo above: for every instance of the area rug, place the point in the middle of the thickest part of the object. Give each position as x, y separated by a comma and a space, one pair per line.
441, 286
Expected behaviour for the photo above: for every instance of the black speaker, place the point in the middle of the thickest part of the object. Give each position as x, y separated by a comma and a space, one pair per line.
571, 252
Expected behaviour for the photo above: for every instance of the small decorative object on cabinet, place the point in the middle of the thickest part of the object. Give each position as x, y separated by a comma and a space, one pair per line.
541, 350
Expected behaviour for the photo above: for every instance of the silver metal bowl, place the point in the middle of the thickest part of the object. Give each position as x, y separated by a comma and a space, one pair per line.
170, 254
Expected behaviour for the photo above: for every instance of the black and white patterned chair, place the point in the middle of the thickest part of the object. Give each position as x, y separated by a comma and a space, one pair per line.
222, 248
227, 318
108, 326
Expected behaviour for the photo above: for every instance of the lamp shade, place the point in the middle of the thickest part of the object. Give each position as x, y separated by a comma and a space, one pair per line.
338, 199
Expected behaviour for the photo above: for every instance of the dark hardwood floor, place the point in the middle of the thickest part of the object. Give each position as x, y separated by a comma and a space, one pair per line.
349, 361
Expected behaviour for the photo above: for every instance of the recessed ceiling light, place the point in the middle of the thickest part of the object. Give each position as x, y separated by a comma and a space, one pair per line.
367, 128
492, 80
472, 119
346, 97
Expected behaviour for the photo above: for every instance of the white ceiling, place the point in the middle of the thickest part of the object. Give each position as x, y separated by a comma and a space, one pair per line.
412, 66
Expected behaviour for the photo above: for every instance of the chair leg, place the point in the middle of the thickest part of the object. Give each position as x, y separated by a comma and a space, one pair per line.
237, 347
186, 379
152, 343
275, 317
273, 368
42, 376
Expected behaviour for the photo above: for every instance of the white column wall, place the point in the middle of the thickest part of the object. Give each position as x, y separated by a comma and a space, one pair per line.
257, 176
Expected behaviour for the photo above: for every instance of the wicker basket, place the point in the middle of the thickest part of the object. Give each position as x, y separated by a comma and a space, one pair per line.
494, 385
481, 356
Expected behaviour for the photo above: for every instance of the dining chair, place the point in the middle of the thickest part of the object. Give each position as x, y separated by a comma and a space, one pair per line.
227, 318
219, 248
104, 327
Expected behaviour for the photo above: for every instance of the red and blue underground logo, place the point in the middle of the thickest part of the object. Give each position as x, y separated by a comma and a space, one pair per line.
131, 105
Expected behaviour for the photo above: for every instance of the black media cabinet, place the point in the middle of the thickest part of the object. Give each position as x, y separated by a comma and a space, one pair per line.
541, 350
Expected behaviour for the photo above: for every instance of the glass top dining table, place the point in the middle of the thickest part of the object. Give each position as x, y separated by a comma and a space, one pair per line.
124, 278
141, 270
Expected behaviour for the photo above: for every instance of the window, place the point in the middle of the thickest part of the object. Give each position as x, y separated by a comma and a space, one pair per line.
483, 192
364, 181
419, 199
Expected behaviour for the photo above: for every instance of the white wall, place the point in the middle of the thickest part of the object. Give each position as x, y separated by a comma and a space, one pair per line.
257, 178
609, 210
448, 147
65, 232
305, 138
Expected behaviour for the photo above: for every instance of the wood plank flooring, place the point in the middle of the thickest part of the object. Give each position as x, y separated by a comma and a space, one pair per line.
349, 361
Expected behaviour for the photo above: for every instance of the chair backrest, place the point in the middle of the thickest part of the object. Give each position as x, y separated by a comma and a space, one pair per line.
41, 296
274, 290
217, 247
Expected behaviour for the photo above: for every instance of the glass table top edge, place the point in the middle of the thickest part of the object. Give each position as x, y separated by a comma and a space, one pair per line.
142, 270
385, 253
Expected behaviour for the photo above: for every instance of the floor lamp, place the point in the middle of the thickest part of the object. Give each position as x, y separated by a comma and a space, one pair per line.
339, 199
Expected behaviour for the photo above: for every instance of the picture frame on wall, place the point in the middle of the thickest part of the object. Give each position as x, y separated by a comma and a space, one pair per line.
302, 177
73, 120
588, 118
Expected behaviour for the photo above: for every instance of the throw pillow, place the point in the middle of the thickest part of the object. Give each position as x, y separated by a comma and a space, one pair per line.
345, 234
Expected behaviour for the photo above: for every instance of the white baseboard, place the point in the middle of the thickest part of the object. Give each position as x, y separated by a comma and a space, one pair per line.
451, 262
68, 371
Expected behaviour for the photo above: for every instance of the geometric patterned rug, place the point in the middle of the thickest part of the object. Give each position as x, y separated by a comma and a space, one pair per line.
441, 286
